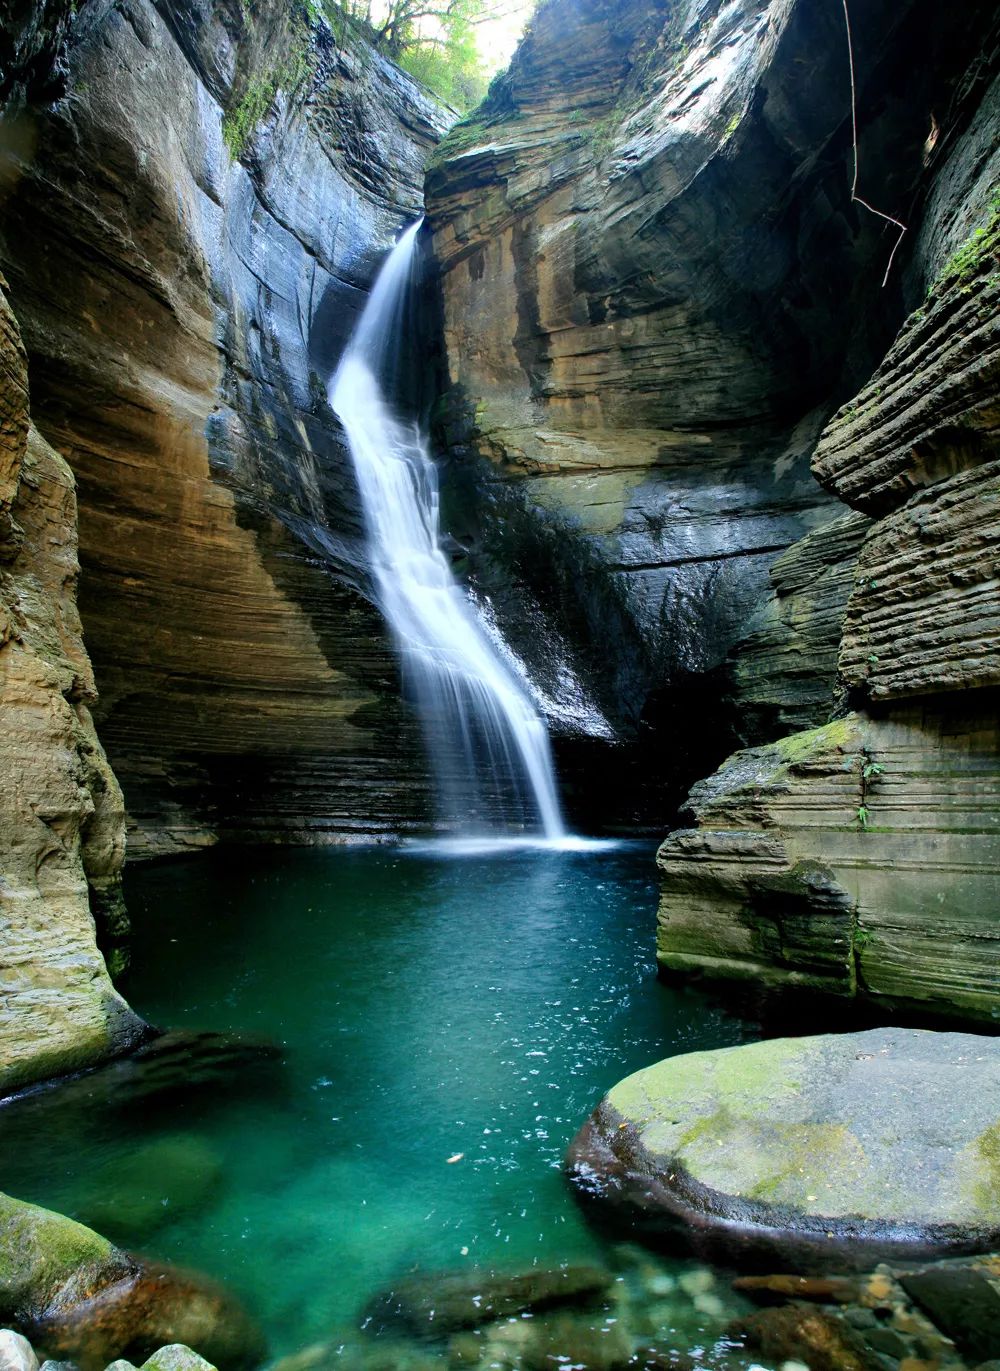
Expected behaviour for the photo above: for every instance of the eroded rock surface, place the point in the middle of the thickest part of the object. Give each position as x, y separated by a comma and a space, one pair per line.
784, 667
187, 248
864, 858
655, 291
860, 859
829, 1150
62, 822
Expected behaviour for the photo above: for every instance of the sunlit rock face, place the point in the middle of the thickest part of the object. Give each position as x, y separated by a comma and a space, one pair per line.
863, 858
182, 303
655, 291
62, 822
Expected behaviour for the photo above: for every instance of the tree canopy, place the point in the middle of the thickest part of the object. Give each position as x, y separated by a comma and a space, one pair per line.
453, 46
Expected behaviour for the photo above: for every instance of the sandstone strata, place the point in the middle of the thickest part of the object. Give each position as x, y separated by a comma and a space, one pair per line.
864, 858
860, 858
655, 289
784, 666
62, 826
924, 613
182, 300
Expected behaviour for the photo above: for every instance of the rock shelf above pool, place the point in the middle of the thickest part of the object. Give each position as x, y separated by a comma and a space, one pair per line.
888, 1141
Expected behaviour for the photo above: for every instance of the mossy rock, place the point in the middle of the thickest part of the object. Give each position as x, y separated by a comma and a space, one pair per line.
77, 1297
840, 1147
40, 1252
134, 1194
176, 1357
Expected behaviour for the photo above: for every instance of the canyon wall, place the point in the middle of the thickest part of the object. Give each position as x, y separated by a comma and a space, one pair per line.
188, 241
656, 288
690, 372
669, 369
863, 858
61, 811
194, 201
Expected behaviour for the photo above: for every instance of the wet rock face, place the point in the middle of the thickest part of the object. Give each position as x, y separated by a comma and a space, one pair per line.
655, 289
32, 33
805, 1150
182, 308
783, 667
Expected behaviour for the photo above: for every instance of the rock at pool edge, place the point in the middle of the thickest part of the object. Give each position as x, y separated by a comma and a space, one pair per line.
841, 1148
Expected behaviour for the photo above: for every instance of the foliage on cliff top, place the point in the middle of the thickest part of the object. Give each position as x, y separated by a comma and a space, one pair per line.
451, 46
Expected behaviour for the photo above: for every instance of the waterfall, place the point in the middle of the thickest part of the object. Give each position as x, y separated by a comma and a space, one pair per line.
488, 746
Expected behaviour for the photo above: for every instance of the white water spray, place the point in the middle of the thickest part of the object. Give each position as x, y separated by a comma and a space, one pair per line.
488, 746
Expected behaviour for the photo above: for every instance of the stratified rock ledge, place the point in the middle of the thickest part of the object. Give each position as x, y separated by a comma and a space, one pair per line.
841, 1149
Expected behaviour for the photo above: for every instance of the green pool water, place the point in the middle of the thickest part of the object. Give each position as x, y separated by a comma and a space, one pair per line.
446, 1025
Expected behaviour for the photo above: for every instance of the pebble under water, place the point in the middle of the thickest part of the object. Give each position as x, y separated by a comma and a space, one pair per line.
446, 1026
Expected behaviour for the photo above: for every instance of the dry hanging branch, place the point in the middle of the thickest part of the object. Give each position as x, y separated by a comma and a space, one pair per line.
855, 197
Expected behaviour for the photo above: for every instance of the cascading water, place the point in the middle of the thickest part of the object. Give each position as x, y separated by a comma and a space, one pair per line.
488, 746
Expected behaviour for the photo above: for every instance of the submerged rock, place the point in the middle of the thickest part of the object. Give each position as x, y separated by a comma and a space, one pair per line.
944, 1314
437, 1304
133, 1195
817, 1289
963, 1302
832, 1149
16, 1353
137, 1315
79, 1298
823, 1341
176, 1357
172, 1067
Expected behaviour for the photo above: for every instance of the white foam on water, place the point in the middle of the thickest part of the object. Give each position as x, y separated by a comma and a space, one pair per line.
496, 847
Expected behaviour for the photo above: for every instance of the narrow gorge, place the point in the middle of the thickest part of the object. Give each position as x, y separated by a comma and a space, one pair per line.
500, 663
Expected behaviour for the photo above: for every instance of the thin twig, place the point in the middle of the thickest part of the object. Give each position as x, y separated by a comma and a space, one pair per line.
855, 197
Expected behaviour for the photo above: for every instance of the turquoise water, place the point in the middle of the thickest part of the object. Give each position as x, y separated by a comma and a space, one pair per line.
446, 1026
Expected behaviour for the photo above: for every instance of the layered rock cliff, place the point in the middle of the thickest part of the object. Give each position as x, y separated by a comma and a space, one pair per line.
194, 198
187, 245
658, 284
656, 288
61, 811
863, 858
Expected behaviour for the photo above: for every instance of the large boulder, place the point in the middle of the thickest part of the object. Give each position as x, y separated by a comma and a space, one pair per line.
827, 1150
81, 1299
